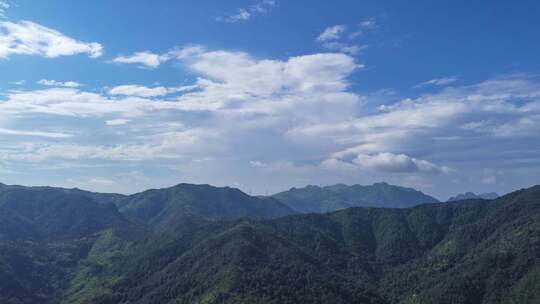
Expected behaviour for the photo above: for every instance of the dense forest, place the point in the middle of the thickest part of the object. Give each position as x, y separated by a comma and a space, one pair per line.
203, 244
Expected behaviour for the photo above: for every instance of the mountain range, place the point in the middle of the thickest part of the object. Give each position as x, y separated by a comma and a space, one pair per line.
204, 244
472, 195
331, 198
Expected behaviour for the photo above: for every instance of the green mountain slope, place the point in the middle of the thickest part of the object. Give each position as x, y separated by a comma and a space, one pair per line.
465, 252
330, 198
472, 251
165, 209
57, 243
44, 233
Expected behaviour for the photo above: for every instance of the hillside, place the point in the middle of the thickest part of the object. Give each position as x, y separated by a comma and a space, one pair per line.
464, 252
51, 237
165, 208
330, 198
61, 247
44, 233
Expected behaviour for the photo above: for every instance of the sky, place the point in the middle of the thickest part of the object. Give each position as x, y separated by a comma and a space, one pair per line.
264, 95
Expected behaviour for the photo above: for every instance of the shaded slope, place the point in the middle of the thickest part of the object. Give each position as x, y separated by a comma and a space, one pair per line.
44, 233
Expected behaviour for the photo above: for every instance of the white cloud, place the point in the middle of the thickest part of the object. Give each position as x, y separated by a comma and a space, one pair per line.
369, 24
235, 92
488, 112
247, 13
331, 33
332, 39
236, 84
301, 106
29, 38
143, 91
34, 133
116, 122
382, 161
18, 82
169, 145
3, 7
438, 82
344, 48
243, 14
136, 90
145, 59
54, 83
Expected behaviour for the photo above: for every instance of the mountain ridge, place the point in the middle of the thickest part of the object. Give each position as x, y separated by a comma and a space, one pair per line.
472, 195
339, 196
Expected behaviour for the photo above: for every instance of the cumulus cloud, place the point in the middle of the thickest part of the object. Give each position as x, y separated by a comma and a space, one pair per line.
234, 93
383, 161
234, 82
457, 124
54, 83
301, 106
29, 38
144, 59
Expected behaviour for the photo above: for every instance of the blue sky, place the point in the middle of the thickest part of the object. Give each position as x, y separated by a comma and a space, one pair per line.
121, 96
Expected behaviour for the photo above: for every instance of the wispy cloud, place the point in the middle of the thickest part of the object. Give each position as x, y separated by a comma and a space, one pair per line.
116, 122
54, 83
144, 59
370, 23
437, 82
29, 38
334, 37
4, 5
144, 91
332, 33
246, 13
34, 133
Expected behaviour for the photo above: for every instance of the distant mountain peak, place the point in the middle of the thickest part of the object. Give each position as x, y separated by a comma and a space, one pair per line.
472, 195
339, 196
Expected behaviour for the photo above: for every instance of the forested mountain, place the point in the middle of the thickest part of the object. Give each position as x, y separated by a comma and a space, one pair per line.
44, 233
330, 198
163, 209
63, 247
472, 195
